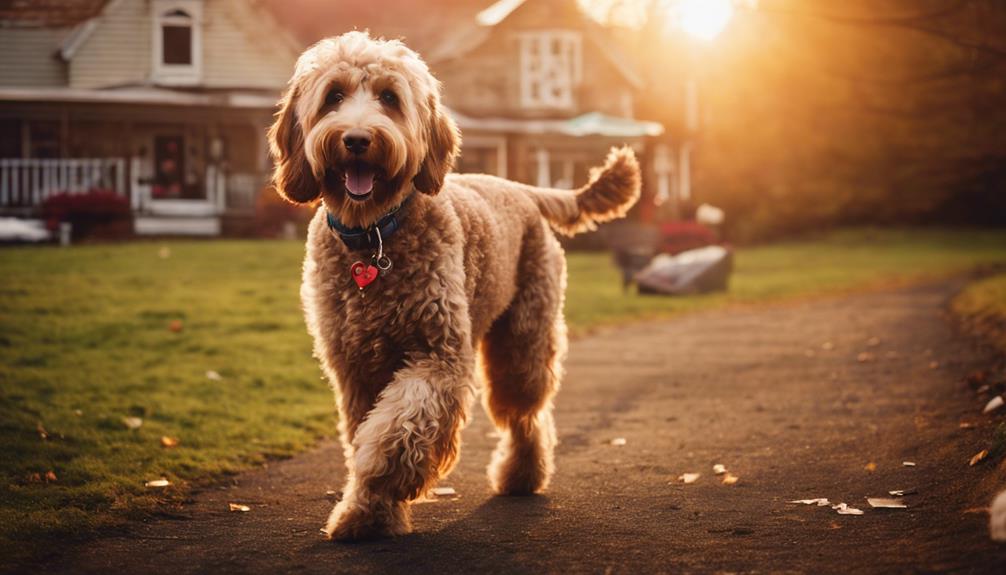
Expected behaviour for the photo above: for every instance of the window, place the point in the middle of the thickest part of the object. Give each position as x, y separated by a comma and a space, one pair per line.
177, 41
550, 68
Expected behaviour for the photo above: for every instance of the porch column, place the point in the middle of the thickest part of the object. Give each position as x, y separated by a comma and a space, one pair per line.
544, 179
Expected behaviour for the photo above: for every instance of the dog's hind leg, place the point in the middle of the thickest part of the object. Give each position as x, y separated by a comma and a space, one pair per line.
522, 356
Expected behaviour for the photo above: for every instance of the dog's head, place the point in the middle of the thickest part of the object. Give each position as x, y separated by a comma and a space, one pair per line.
361, 125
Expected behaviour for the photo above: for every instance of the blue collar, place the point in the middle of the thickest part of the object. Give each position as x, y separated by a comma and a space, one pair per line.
363, 238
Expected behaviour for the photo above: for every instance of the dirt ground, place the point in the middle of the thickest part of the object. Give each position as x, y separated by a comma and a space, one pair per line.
776, 395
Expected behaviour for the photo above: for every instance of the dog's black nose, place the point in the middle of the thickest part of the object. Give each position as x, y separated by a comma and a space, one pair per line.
356, 142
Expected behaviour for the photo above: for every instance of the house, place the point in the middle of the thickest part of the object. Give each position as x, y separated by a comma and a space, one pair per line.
167, 101
540, 92
163, 101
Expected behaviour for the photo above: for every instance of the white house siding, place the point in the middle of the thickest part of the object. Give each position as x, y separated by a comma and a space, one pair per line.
241, 48
238, 49
117, 52
28, 57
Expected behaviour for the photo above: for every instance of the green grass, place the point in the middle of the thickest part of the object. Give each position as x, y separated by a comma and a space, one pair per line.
834, 263
982, 307
85, 342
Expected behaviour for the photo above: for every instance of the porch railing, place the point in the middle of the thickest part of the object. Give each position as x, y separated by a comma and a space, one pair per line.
28, 182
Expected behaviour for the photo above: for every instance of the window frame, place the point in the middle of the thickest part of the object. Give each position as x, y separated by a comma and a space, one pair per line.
164, 13
536, 48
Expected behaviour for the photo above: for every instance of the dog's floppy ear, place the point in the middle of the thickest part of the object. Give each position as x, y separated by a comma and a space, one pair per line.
292, 175
444, 144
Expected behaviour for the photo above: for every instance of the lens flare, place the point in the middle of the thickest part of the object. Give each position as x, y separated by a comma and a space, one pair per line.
703, 19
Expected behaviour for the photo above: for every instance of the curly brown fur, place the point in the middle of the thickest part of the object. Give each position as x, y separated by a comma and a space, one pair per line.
476, 267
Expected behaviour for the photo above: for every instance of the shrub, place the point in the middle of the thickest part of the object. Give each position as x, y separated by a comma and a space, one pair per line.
93, 214
273, 214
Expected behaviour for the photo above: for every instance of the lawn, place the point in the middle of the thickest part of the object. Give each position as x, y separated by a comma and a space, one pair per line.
86, 342
982, 307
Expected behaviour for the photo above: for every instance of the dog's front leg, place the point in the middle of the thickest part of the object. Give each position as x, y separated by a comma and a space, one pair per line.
407, 441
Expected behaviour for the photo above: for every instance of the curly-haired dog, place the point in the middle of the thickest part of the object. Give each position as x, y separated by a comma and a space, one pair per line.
410, 270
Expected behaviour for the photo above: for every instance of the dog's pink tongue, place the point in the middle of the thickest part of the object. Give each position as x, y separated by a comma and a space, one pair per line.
359, 180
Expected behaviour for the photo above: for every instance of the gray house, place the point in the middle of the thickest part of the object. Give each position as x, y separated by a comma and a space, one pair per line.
163, 101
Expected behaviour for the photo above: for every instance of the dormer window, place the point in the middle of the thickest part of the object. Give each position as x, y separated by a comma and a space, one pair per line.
550, 68
177, 42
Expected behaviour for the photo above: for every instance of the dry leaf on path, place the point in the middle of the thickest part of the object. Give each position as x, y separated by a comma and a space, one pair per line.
730, 479
886, 503
902, 492
443, 491
162, 482
238, 507
133, 423
618, 441
719, 469
870, 467
689, 477
213, 376
175, 326
908, 463
864, 357
994, 404
820, 501
979, 457
50, 476
168, 442
844, 509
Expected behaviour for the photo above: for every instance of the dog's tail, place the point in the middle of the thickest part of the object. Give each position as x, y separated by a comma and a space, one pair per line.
611, 191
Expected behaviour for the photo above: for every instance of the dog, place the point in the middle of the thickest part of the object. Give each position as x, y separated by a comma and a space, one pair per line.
411, 271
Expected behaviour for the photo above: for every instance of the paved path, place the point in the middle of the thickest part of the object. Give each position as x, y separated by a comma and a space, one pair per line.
756, 390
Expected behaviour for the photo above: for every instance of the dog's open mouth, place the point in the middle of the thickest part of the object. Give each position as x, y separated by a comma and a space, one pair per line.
358, 177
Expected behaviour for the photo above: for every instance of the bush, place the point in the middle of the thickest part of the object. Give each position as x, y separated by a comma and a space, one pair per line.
273, 215
93, 214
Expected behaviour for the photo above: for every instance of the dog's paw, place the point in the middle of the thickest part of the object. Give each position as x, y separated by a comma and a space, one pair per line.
510, 475
360, 522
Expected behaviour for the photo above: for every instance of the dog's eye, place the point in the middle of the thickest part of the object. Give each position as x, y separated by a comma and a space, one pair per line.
334, 97
389, 98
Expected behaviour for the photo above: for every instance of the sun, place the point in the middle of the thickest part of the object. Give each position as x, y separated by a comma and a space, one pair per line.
703, 19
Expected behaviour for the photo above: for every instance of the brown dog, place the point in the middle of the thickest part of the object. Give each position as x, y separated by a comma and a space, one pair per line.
401, 288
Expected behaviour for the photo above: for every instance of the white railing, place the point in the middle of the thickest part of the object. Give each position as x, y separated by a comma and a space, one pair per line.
28, 182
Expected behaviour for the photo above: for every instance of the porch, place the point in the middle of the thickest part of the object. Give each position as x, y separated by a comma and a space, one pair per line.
25, 184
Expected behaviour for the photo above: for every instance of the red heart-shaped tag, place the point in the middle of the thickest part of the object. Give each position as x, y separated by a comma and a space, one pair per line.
363, 274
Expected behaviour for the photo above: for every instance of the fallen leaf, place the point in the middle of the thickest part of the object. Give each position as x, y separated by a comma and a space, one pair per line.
618, 441
864, 357
50, 476
902, 492
730, 479
827, 346
162, 482
966, 425
168, 442
443, 491
908, 463
133, 423
873, 342
994, 404
844, 509
719, 469
175, 325
934, 365
164, 253
820, 501
41, 431
35, 478
886, 503
238, 507
689, 477
979, 457
213, 376
78, 412
870, 467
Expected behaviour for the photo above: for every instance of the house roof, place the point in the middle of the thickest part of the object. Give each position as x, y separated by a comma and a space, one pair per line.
48, 13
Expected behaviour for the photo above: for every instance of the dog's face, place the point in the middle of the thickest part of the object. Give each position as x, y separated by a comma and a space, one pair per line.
361, 125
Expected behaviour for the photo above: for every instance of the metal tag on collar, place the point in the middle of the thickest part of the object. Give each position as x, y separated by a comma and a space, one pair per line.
380, 260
